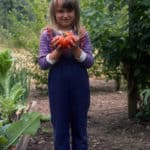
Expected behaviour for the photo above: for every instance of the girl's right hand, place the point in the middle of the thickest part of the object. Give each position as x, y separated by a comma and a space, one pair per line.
55, 43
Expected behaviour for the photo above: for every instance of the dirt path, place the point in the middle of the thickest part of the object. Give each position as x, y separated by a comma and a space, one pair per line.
108, 124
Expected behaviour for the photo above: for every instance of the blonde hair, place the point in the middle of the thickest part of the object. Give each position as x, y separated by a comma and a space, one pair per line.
70, 5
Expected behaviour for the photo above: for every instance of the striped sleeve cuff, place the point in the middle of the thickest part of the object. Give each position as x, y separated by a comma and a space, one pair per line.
50, 61
82, 56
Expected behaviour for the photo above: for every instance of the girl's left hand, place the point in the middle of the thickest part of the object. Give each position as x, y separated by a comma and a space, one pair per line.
74, 46
74, 42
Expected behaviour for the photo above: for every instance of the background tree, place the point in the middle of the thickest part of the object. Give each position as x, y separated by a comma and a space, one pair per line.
138, 58
22, 22
123, 42
107, 22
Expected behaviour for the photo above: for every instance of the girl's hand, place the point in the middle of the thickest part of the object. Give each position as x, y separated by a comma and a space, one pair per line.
55, 43
74, 42
56, 53
74, 46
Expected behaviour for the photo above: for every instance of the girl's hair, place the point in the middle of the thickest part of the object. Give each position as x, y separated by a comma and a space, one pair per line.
67, 4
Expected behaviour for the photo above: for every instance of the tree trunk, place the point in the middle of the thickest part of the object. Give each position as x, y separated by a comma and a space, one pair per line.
132, 84
132, 94
118, 82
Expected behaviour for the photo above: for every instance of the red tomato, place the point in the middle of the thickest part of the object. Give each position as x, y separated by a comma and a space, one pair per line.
65, 39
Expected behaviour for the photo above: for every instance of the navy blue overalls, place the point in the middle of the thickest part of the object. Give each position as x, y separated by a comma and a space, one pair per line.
68, 88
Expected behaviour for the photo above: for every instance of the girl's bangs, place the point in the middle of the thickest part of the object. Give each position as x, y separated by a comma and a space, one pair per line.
69, 5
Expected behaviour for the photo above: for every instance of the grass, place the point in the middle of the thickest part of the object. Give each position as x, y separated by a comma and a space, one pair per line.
3, 47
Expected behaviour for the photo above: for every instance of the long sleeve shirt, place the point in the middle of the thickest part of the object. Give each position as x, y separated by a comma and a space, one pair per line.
46, 48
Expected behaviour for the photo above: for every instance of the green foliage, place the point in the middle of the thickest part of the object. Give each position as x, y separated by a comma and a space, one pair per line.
45, 118
136, 59
27, 125
22, 25
7, 107
5, 36
6, 62
11, 92
122, 33
107, 22
121, 41
16, 92
5, 65
21, 75
139, 42
10, 95
3, 139
23, 21
96, 69
144, 107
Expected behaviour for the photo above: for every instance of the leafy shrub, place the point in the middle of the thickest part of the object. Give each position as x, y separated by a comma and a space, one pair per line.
22, 76
14, 86
10, 133
5, 36
107, 23
10, 101
144, 106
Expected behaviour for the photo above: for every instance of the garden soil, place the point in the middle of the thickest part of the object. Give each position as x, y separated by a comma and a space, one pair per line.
108, 125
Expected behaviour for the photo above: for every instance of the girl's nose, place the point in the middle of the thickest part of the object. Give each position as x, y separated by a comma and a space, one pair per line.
65, 14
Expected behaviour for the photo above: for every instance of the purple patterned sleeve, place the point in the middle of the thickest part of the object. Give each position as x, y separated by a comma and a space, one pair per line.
86, 46
44, 50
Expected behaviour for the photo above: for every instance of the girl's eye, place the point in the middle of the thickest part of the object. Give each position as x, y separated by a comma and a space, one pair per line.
69, 10
60, 11
64, 10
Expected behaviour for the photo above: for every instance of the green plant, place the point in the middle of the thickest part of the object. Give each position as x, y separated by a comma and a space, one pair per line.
23, 20
20, 74
10, 133
121, 31
9, 96
12, 91
9, 104
96, 70
5, 65
144, 106
108, 32
5, 36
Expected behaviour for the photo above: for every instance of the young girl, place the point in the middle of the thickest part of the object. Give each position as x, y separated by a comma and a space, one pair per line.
68, 82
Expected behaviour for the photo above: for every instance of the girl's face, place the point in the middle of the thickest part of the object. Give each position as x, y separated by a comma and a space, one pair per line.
64, 17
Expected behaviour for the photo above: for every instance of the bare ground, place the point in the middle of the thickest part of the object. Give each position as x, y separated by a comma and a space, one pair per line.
108, 125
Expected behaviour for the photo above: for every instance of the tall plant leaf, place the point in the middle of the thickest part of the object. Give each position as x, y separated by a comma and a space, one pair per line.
28, 124
16, 92
5, 62
5, 65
